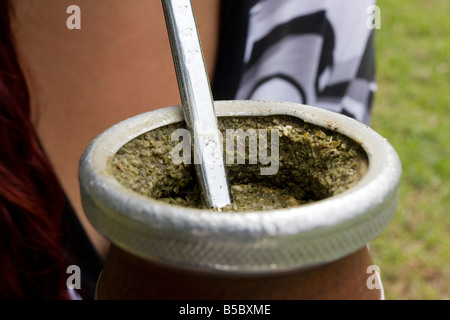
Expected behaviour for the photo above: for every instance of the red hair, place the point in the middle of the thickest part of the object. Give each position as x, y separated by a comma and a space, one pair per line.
32, 262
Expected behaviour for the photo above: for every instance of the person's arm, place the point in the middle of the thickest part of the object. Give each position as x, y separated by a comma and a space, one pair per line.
82, 81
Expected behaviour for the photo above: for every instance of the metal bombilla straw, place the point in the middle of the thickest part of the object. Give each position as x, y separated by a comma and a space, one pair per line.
197, 102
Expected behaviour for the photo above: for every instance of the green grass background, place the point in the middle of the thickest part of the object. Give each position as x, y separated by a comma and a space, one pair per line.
411, 110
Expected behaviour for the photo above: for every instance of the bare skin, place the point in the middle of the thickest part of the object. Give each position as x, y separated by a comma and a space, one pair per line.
83, 81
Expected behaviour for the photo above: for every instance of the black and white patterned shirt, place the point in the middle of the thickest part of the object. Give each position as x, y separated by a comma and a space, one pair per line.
316, 52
